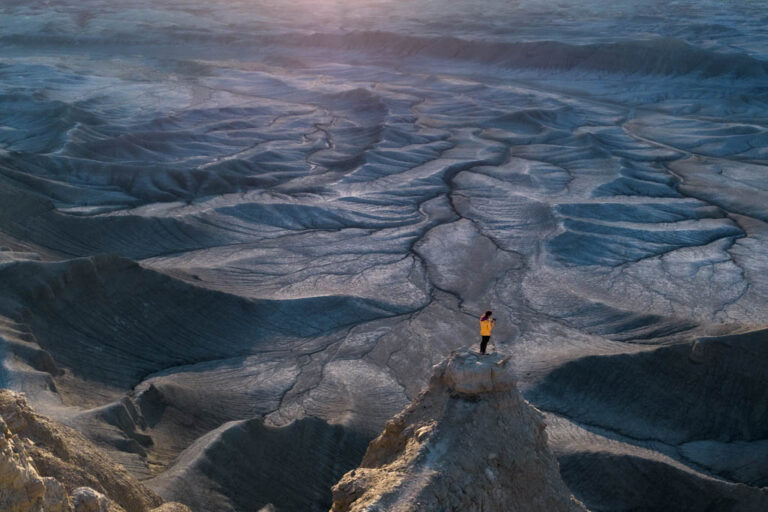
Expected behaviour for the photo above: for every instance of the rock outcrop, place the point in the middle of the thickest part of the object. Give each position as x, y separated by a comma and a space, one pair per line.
48, 467
468, 442
21, 487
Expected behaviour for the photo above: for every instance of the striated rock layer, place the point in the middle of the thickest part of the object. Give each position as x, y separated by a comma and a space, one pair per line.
469, 442
47, 467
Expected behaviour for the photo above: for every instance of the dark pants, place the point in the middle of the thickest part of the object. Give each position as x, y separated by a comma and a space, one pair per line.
484, 343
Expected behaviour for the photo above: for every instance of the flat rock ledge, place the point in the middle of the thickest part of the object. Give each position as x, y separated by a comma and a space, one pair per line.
48, 467
468, 442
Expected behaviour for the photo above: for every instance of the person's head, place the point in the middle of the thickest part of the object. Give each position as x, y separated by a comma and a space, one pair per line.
487, 315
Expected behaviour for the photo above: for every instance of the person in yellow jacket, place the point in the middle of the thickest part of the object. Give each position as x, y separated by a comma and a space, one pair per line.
486, 326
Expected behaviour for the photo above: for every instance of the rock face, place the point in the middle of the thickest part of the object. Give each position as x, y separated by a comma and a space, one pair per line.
22, 488
47, 467
469, 442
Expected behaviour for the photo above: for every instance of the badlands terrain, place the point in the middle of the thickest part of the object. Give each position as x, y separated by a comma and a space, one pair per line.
236, 235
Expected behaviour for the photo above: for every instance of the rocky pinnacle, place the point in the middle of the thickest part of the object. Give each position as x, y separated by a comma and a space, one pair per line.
468, 442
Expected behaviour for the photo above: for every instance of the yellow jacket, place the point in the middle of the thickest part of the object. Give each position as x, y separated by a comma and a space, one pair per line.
486, 326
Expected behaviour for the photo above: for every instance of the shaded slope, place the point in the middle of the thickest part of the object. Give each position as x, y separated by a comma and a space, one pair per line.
716, 389
622, 482
109, 319
676, 427
247, 465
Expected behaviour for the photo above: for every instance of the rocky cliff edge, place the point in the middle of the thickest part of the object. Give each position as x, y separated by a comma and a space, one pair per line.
48, 467
468, 442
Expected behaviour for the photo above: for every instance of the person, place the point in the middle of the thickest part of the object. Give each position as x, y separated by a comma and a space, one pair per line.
486, 326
